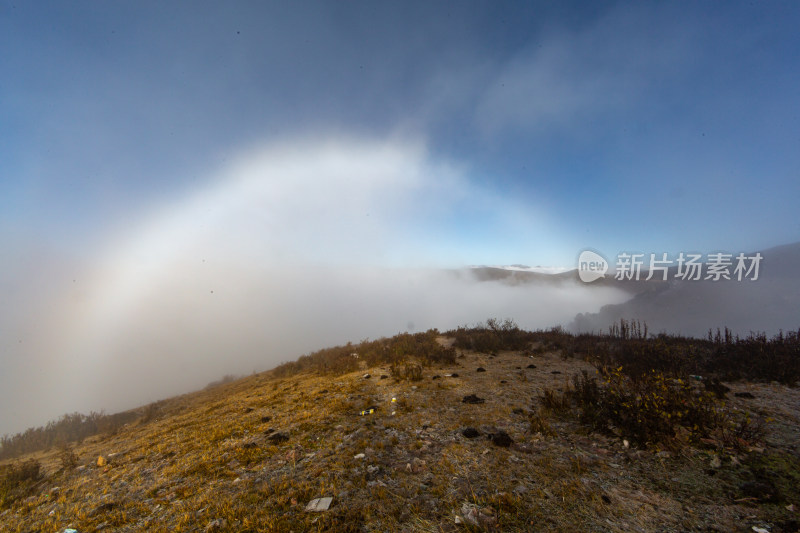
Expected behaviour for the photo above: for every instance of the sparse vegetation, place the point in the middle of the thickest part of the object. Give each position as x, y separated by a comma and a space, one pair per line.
651, 409
69, 428
395, 454
419, 347
491, 337
17, 480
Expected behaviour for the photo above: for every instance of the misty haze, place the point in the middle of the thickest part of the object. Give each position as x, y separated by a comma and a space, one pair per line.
195, 196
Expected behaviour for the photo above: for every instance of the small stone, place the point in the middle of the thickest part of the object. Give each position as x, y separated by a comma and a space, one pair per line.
366, 376
531, 366
481, 369
716, 462
319, 504
359, 456
555, 372
715, 386
746, 395
278, 438
471, 433
763, 490
216, 524
502, 439
265, 419
471, 398
470, 513
101, 461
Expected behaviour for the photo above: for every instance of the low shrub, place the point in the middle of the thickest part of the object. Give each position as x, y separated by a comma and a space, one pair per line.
647, 410
17, 480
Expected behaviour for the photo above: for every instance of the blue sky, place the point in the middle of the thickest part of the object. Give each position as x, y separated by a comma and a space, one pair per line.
155, 153
649, 126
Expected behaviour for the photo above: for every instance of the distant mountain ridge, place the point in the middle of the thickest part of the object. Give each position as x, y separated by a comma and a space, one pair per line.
769, 304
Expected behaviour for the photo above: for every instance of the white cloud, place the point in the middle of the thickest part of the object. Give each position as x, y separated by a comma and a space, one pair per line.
286, 251
568, 78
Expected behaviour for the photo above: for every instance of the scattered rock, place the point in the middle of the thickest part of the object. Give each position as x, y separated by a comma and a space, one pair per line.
501, 438
277, 438
319, 504
384, 376
102, 508
359, 456
471, 433
416, 465
502, 381
747, 395
471, 514
453, 375
715, 462
555, 372
217, 524
323, 391
518, 411
101, 461
437, 377
366, 376
248, 409
265, 419
249, 445
714, 385
471, 398
763, 490
481, 369
531, 366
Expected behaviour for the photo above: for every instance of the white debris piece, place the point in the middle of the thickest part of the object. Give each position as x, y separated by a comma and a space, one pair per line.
319, 504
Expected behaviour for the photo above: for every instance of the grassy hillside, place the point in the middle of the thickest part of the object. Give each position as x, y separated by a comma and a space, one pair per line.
486, 428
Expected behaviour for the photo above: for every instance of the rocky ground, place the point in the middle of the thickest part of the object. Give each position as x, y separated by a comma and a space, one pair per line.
400, 455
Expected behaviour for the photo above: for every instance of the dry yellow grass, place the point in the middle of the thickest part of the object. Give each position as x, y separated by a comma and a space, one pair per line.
211, 461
